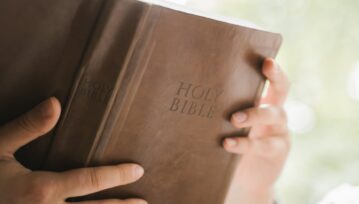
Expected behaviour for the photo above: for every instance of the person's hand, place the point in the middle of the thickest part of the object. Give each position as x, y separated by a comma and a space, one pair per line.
19, 185
265, 150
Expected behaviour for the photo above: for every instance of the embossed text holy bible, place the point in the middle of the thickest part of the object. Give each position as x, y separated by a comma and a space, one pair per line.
138, 83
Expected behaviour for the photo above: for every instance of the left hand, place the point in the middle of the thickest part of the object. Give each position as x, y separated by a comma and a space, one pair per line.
19, 185
265, 150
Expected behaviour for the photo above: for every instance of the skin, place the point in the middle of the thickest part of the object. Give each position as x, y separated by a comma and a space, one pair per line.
263, 155
19, 185
265, 151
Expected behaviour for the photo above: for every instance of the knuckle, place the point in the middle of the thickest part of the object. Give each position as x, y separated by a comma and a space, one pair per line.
39, 191
26, 123
276, 113
274, 147
126, 174
270, 112
265, 147
93, 177
123, 175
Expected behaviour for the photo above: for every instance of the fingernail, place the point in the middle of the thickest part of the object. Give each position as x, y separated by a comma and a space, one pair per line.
139, 171
44, 109
231, 142
240, 117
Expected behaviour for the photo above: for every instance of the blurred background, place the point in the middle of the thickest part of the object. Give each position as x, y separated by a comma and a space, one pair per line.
321, 56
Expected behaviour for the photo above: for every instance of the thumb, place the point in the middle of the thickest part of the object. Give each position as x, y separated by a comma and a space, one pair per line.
31, 125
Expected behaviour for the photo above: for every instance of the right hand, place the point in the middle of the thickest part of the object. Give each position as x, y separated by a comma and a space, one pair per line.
19, 185
266, 148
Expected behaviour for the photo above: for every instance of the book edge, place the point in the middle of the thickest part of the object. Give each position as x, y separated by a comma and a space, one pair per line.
206, 15
256, 100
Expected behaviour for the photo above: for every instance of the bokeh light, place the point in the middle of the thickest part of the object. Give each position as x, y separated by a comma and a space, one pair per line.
353, 83
301, 117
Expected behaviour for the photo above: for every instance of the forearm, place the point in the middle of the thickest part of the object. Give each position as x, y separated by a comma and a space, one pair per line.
257, 197
241, 196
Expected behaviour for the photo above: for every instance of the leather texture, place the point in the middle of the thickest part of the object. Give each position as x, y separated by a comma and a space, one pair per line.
41, 46
139, 83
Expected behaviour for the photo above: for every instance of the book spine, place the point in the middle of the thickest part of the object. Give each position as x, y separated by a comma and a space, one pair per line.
74, 25
87, 108
127, 83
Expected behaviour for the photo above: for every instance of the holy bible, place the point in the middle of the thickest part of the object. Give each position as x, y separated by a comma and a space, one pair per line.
138, 82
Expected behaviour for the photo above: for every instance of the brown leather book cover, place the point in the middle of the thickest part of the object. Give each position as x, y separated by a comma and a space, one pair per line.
139, 83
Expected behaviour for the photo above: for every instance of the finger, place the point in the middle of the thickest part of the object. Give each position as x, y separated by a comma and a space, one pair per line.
278, 83
237, 145
265, 131
29, 126
85, 181
266, 147
260, 116
114, 201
